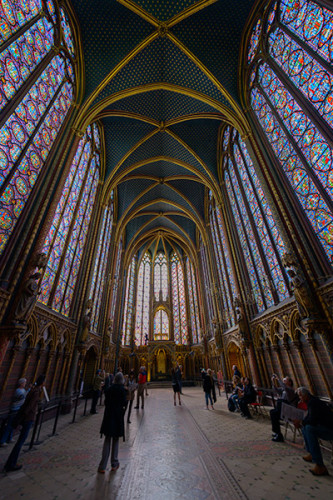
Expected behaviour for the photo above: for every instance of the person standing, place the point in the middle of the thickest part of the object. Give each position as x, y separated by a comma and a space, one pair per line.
175, 386
97, 387
146, 384
113, 422
208, 386
25, 417
17, 402
142, 379
130, 387
179, 373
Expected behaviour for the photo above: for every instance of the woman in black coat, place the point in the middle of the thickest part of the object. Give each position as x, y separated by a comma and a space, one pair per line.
113, 422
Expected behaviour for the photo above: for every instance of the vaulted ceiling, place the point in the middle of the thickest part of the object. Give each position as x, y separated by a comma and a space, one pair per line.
161, 76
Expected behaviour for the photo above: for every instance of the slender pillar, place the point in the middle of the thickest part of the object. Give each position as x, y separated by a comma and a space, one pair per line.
63, 371
48, 365
312, 343
40, 354
291, 362
15, 350
298, 346
263, 365
276, 349
55, 372
29, 351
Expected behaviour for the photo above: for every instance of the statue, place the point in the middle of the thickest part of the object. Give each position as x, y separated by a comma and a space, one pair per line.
39, 261
305, 301
86, 321
107, 336
240, 318
27, 299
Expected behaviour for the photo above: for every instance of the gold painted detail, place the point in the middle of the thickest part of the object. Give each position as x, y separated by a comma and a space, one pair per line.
79, 133
162, 30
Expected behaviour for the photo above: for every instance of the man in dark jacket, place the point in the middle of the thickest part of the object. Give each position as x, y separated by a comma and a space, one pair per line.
318, 424
249, 396
113, 422
25, 417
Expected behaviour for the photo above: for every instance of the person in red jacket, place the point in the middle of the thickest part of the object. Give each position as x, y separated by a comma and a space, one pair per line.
142, 379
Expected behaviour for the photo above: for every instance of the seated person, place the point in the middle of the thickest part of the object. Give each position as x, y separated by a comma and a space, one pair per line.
287, 395
247, 396
238, 386
318, 423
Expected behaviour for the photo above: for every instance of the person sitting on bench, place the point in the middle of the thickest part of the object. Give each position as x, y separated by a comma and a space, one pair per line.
287, 395
318, 424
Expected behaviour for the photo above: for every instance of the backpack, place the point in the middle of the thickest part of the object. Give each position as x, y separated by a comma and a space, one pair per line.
231, 405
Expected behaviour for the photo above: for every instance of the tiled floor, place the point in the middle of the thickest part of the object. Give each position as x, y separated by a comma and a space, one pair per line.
183, 452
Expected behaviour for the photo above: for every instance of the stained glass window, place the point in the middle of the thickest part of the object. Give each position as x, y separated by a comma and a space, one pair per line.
160, 277
161, 325
143, 301
66, 239
101, 260
291, 92
129, 304
225, 285
193, 301
178, 301
207, 283
116, 281
16, 13
31, 122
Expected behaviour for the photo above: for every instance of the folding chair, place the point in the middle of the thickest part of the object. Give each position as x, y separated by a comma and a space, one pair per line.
288, 415
258, 407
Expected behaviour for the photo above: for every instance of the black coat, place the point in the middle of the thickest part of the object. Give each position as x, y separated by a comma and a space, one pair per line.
113, 420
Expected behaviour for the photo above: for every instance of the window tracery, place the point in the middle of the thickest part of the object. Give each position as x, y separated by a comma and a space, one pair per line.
66, 239
160, 277
161, 325
261, 243
143, 301
193, 302
101, 260
129, 304
291, 93
36, 91
178, 301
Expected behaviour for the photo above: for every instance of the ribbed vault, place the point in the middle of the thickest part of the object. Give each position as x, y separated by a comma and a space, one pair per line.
161, 79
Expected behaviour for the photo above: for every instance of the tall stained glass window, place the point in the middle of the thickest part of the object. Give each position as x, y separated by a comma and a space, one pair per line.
178, 301
225, 285
161, 325
66, 239
101, 260
291, 93
207, 283
160, 277
143, 301
129, 304
31, 58
257, 230
193, 301
116, 281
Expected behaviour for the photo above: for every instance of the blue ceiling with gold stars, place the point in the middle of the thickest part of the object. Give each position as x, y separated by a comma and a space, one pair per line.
161, 78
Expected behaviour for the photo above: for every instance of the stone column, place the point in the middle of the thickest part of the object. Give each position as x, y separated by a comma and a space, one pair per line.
298, 346
312, 343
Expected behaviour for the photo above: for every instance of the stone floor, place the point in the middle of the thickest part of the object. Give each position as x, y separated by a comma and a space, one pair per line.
183, 452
